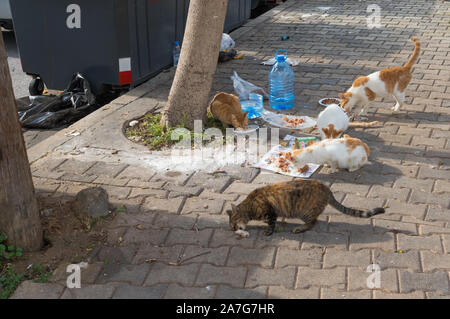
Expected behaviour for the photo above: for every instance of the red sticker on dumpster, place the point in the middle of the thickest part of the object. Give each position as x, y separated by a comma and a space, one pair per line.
125, 71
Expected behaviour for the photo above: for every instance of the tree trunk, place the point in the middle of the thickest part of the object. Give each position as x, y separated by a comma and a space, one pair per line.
189, 94
19, 212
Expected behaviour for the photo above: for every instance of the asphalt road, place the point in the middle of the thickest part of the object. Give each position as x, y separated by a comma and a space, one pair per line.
20, 79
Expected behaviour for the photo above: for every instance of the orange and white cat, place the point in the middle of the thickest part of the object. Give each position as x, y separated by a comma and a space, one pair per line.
345, 152
391, 81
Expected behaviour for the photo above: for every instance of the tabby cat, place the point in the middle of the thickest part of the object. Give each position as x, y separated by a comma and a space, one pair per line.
227, 109
304, 199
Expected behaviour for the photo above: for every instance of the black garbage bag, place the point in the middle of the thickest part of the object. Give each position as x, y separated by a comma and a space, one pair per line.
225, 56
48, 112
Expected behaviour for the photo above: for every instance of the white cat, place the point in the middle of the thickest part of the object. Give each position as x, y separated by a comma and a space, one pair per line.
346, 152
333, 121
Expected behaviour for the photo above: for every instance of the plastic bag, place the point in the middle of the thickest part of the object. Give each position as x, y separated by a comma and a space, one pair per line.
227, 43
53, 111
244, 88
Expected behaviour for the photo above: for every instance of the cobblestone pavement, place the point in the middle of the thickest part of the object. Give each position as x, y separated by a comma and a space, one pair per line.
185, 248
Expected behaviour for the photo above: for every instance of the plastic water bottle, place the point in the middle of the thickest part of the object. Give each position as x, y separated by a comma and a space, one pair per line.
254, 105
176, 53
281, 83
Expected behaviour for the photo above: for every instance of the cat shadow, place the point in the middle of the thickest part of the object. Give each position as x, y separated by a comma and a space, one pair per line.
325, 234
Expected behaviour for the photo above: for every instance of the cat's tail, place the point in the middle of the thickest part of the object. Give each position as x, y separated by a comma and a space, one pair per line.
415, 54
355, 212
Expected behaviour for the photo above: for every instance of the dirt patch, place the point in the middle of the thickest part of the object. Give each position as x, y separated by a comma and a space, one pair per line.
67, 240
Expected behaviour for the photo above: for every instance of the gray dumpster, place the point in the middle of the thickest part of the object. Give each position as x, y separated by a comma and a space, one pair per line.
113, 43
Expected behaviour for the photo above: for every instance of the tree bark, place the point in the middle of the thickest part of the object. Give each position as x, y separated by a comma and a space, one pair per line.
19, 211
189, 94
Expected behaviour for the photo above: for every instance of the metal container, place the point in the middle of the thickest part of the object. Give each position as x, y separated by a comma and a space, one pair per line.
113, 43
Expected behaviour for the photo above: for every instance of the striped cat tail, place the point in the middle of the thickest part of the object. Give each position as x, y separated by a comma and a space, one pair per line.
415, 54
354, 212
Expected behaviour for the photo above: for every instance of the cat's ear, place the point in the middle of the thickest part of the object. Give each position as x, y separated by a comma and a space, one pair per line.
234, 208
341, 95
229, 212
245, 115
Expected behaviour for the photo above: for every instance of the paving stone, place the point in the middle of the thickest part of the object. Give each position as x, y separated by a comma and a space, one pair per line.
358, 202
383, 241
344, 223
227, 237
418, 197
232, 276
173, 205
145, 235
213, 196
313, 239
432, 242
426, 172
89, 292
32, 290
78, 178
246, 174
177, 190
271, 178
241, 188
308, 277
175, 177
284, 293
356, 189
150, 253
386, 192
213, 221
136, 173
144, 192
442, 186
227, 292
383, 225
181, 274
74, 167
437, 295
122, 254
433, 261
133, 292
197, 205
279, 239
175, 291
397, 207
387, 260
117, 192
423, 185
430, 230
102, 169
329, 293
133, 274
258, 276
437, 281
385, 295
357, 279
198, 254
215, 182
183, 236
337, 257
145, 185
292, 257
163, 220
263, 257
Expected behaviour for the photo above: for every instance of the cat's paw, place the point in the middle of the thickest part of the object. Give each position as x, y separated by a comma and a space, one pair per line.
242, 233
